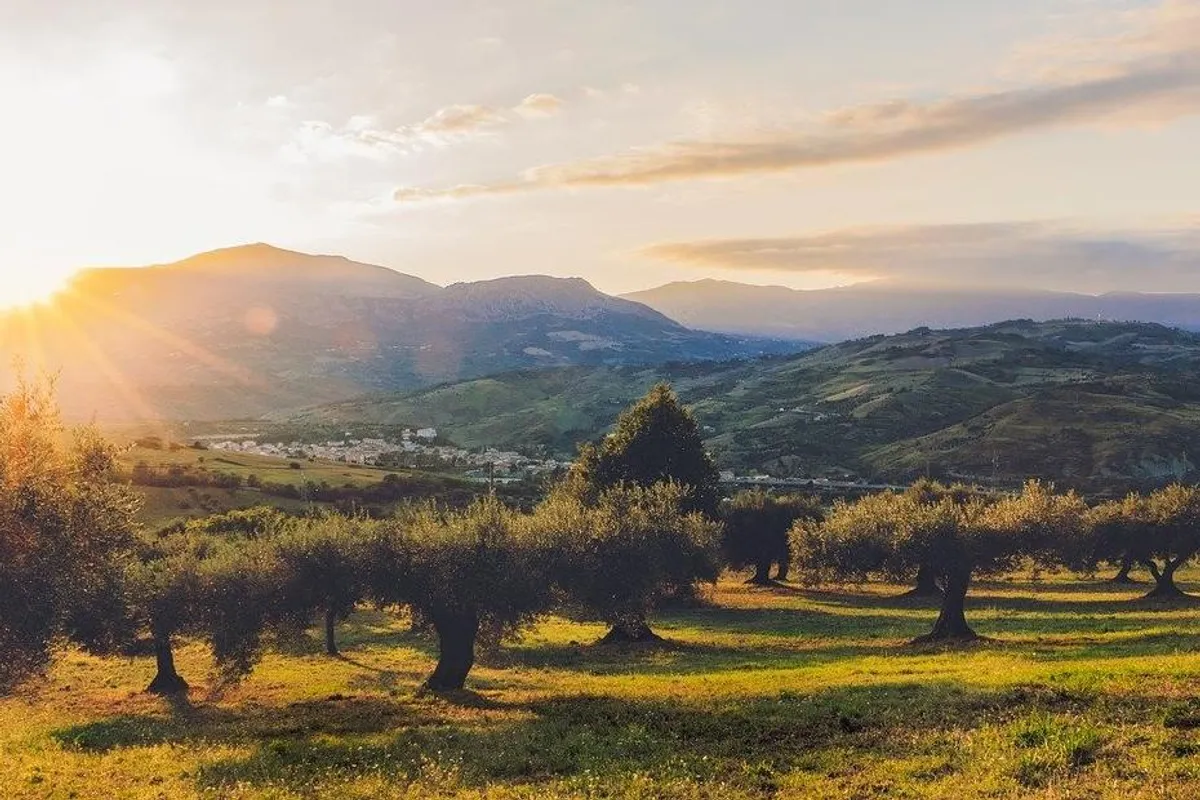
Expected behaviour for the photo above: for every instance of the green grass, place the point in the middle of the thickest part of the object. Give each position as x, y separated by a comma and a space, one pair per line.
266, 468
165, 504
1082, 692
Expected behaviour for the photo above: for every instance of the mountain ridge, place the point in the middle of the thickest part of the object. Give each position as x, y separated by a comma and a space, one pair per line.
849, 312
254, 329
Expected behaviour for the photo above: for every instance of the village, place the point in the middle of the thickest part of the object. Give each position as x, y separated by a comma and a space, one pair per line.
420, 447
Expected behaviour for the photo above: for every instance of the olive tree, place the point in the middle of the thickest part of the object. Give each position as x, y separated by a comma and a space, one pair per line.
238, 604
925, 582
221, 590
163, 589
322, 570
756, 531
461, 570
67, 528
620, 557
891, 535
1161, 531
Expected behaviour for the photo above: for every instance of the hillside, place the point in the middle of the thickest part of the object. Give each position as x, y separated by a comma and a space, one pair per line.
1084, 402
250, 330
850, 312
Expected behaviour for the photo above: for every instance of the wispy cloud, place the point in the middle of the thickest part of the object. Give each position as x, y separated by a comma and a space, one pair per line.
1151, 73
363, 137
458, 119
539, 105
1045, 255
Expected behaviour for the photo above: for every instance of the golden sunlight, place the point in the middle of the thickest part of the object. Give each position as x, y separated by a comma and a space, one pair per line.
23, 286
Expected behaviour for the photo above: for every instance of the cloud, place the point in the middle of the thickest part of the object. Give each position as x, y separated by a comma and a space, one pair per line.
539, 105
317, 141
416, 194
1045, 255
361, 136
460, 119
1151, 74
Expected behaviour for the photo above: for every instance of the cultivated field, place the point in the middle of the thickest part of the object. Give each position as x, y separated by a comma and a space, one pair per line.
165, 504
783, 692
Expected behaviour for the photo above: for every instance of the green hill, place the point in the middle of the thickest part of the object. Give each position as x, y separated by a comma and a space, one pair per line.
1079, 401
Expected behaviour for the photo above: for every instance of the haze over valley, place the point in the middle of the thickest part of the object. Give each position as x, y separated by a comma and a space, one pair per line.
514, 399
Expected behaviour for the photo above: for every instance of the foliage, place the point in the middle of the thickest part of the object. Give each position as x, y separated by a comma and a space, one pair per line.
757, 525
221, 589
66, 529
485, 559
621, 556
1160, 531
322, 568
655, 440
769, 694
237, 599
261, 522
892, 535
462, 570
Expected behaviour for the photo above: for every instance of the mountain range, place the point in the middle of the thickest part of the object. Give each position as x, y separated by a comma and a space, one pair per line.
851, 312
249, 330
1084, 403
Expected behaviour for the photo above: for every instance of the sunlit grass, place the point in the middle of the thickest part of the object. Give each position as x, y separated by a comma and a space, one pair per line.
1082, 692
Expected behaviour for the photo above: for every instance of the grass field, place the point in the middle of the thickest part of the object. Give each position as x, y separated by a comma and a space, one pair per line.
164, 504
1082, 693
265, 468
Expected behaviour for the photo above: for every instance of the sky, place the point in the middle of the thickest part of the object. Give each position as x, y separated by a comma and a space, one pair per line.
810, 143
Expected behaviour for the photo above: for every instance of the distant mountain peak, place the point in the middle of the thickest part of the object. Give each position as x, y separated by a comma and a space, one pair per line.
254, 328
257, 255
889, 307
520, 282
524, 295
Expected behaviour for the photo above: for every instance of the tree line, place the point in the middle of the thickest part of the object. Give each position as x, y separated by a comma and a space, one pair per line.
376, 497
943, 537
637, 522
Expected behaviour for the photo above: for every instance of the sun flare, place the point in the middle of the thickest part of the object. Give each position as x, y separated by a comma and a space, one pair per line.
26, 286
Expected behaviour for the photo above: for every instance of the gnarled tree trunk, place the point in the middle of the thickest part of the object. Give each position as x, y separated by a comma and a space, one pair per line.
1122, 575
926, 583
166, 680
630, 629
1164, 580
331, 647
951, 625
456, 631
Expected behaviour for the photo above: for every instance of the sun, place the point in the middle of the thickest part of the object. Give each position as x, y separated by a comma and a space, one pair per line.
26, 286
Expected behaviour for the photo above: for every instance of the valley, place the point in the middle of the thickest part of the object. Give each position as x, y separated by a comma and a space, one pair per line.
1089, 404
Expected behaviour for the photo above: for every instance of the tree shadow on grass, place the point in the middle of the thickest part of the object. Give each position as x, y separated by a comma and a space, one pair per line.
1166, 643
849, 597
811, 622
249, 722
748, 743
685, 658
